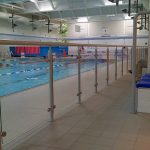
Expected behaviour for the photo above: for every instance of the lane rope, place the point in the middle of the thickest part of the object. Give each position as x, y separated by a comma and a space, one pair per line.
29, 70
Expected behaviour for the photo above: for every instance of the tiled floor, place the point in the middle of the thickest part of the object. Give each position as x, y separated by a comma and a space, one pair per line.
101, 123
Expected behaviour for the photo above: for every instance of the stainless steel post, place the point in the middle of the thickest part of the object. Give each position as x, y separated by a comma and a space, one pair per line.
127, 59
2, 133
51, 87
0, 125
79, 75
116, 61
131, 57
134, 100
122, 62
107, 66
96, 82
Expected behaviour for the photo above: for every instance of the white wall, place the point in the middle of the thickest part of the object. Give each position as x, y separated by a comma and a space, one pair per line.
25, 29
87, 29
98, 28
146, 4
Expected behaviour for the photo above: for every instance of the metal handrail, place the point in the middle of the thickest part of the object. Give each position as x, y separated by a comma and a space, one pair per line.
16, 42
50, 58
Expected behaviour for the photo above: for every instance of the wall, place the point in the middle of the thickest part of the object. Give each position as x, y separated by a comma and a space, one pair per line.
24, 29
146, 4
87, 29
98, 28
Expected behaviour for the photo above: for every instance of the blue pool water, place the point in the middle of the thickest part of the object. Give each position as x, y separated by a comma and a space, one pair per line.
22, 74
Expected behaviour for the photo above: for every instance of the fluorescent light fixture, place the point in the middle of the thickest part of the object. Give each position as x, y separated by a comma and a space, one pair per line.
33, 1
120, 2
126, 17
82, 19
108, 3
36, 4
46, 8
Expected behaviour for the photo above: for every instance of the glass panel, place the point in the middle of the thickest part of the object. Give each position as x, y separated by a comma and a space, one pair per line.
102, 69
112, 54
88, 72
65, 90
119, 64
24, 92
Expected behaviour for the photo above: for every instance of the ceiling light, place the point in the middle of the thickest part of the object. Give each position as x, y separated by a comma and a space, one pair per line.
33, 1
126, 17
36, 3
108, 3
120, 2
82, 19
46, 8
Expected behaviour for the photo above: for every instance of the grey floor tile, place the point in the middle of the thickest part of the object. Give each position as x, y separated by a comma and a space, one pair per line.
103, 122
123, 145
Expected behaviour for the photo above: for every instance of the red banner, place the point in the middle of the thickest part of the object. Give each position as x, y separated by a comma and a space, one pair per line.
28, 50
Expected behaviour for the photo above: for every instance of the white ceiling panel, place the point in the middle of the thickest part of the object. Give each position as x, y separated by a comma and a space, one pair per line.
71, 9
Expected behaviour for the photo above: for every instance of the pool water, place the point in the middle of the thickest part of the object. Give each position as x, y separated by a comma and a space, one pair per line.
22, 74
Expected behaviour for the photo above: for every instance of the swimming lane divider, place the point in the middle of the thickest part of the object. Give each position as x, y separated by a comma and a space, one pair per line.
23, 71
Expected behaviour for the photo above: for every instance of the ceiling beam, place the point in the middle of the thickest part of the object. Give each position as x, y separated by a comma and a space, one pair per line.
11, 6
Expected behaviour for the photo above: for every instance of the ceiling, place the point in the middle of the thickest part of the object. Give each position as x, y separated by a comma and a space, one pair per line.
67, 10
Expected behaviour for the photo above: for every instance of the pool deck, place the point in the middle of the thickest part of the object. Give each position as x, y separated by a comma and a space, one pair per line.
103, 122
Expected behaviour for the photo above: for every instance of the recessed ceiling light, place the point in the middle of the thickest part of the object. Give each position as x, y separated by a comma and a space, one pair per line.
82, 19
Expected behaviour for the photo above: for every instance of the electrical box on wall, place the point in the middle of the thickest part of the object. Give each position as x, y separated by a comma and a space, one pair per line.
77, 28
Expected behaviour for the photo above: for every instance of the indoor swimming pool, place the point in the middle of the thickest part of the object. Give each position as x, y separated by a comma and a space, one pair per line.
20, 74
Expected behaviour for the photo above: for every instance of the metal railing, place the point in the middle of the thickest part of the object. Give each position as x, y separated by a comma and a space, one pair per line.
134, 103
124, 49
